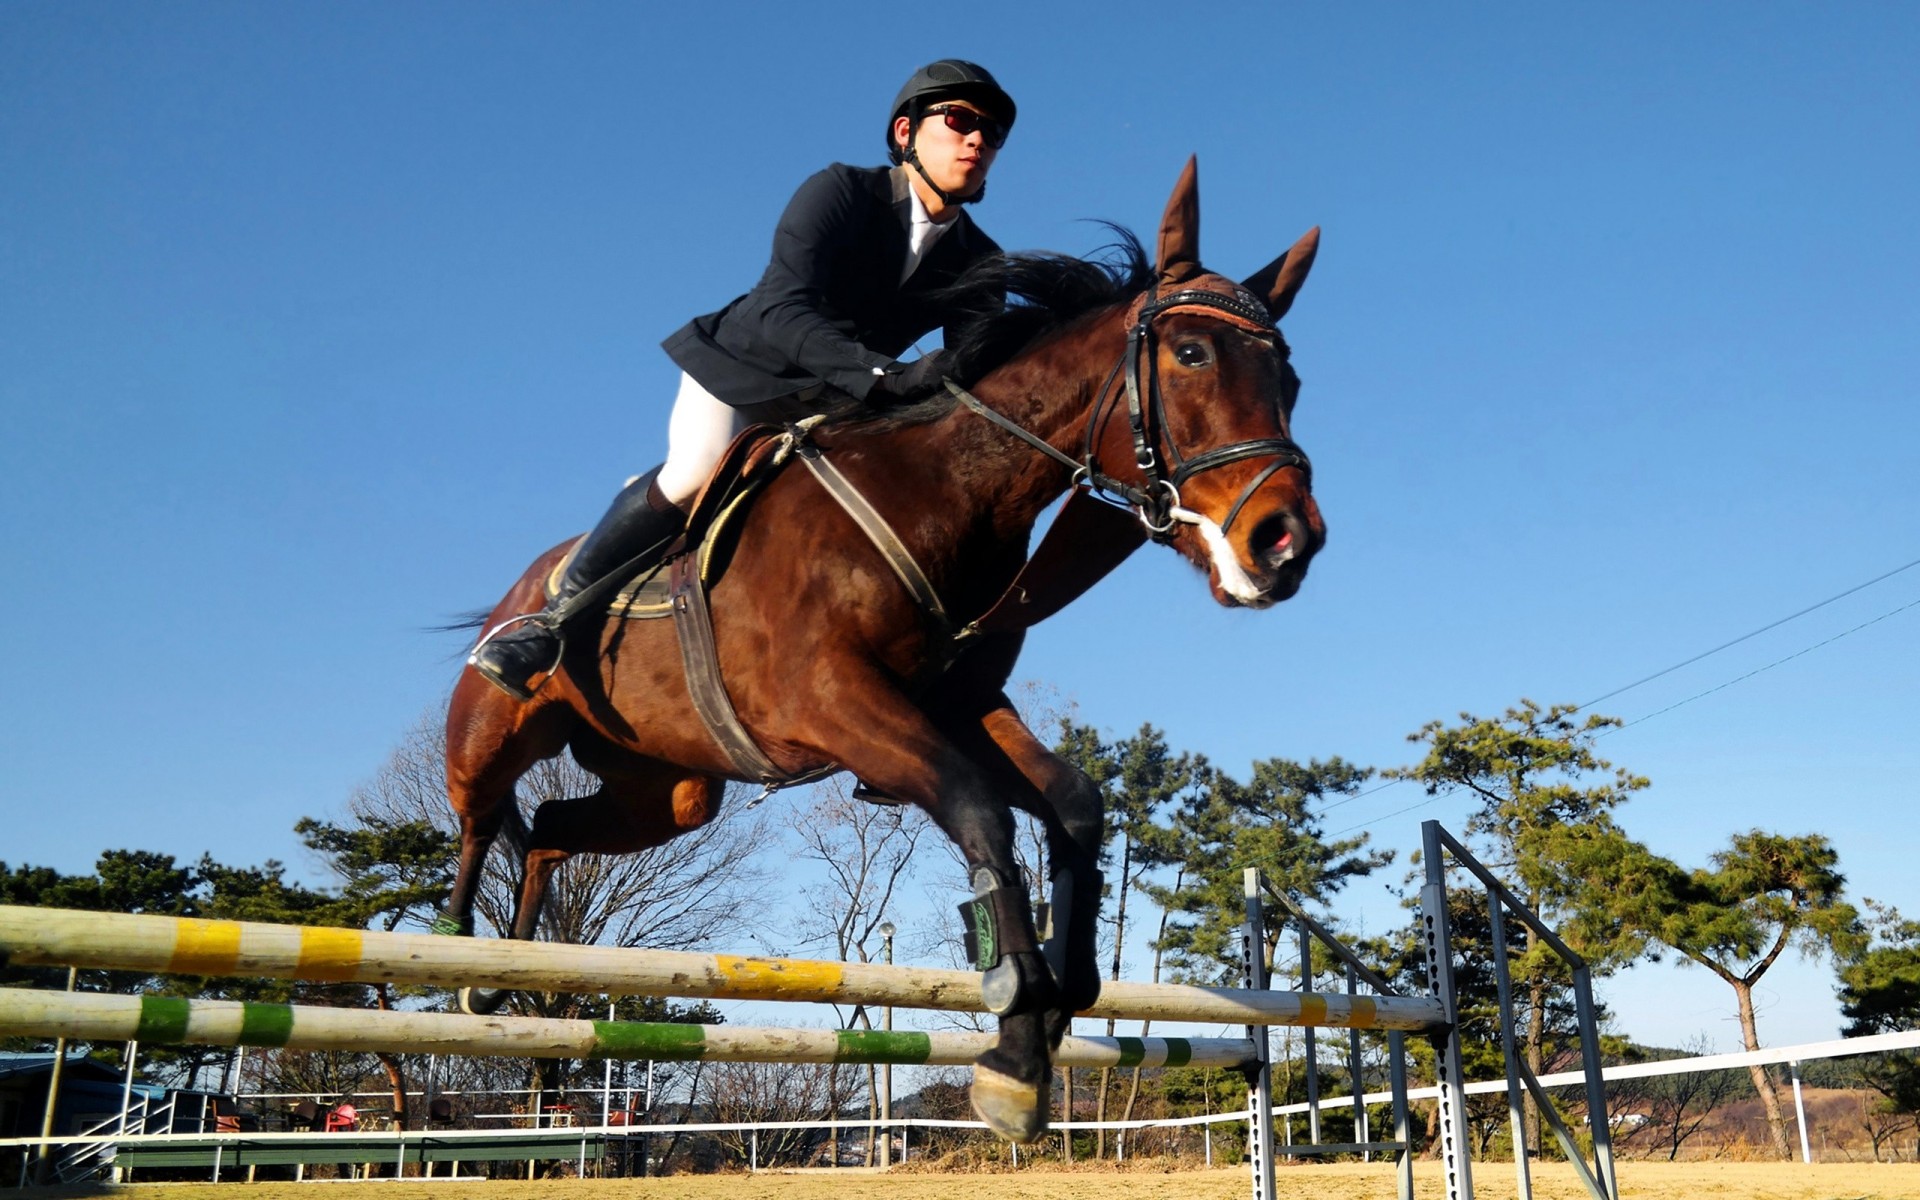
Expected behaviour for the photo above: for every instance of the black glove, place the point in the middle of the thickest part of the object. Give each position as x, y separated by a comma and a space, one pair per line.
915, 380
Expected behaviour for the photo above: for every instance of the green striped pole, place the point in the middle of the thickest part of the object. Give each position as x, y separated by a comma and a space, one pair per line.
172, 1021
188, 946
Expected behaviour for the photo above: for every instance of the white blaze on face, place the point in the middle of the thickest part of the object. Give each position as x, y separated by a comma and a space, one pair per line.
1226, 565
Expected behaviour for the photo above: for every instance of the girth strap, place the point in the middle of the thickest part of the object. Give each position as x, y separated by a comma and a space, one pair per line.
701, 660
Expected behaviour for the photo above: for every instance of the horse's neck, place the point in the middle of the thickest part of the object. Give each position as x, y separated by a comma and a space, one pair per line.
1050, 392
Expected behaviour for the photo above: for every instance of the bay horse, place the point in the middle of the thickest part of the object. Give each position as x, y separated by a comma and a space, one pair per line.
1163, 384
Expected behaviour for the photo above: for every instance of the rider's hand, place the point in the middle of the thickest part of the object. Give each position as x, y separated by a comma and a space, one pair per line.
914, 380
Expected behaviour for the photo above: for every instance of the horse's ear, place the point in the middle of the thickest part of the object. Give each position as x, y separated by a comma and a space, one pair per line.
1279, 281
1178, 252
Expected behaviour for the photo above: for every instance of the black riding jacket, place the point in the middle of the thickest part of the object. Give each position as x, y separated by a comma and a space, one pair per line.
830, 307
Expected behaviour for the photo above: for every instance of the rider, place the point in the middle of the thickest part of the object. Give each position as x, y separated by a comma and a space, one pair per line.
859, 258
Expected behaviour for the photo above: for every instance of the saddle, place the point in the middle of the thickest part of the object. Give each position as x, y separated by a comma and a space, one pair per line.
676, 586
1087, 540
748, 464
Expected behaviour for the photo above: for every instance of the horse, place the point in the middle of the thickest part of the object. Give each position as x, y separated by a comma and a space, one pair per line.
1161, 384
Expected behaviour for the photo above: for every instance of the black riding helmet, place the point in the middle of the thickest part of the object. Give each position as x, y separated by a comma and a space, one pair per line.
947, 79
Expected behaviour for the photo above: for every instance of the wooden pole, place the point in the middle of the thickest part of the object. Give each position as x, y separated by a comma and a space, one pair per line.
167, 1020
190, 946
42, 1158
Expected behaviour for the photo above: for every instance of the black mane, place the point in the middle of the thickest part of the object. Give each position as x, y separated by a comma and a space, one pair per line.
1023, 297
1017, 299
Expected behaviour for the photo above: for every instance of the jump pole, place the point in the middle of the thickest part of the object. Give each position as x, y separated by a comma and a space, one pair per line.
191, 946
169, 1020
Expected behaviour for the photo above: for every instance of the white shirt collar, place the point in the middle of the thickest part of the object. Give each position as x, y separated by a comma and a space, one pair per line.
922, 232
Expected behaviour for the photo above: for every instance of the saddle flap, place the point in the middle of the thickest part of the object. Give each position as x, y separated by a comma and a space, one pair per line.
745, 459
747, 463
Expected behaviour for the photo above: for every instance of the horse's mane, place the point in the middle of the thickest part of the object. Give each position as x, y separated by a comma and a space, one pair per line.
1016, 299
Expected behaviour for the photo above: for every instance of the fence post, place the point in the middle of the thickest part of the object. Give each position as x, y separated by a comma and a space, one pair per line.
1800, 1113
1516, 1104
1447, 1069
1260, 1095
1362, 1131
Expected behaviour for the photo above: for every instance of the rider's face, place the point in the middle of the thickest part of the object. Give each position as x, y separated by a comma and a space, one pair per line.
958, 162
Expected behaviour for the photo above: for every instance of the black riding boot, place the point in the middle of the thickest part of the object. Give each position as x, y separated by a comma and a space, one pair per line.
641, 521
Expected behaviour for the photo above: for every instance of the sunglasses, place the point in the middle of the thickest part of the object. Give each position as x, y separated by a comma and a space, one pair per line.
964, 121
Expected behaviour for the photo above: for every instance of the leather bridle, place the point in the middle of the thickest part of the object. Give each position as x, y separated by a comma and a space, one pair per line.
1158, 503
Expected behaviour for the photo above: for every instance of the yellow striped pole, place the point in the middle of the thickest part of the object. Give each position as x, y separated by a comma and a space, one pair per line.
190, 946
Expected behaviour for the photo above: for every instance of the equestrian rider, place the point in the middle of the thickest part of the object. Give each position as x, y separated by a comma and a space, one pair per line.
859, 257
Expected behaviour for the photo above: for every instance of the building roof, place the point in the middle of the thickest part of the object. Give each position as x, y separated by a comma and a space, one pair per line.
17, 1065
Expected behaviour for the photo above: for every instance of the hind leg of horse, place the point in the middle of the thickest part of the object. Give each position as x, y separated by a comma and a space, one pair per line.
625, 815
491, 742
629, 813
897, 749
1069, 806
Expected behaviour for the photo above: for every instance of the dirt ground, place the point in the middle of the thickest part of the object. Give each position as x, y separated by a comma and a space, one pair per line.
1341, 1181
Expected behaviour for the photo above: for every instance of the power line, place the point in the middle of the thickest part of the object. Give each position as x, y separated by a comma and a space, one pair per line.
1679, 703
1756, 633
1770, 666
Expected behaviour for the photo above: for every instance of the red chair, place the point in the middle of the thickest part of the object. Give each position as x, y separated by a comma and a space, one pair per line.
344, 1118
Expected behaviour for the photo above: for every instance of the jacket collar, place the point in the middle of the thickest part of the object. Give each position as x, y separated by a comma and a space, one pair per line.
902, 190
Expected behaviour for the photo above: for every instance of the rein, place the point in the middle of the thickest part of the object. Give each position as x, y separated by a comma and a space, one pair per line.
1158, 504
1090, 537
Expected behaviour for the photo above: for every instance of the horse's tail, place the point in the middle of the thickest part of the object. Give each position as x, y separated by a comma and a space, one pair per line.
465, 622
473, 618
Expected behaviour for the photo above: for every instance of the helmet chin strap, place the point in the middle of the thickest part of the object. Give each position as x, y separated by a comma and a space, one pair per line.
912, 157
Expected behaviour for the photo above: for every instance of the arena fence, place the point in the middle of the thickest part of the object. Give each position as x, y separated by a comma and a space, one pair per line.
175, 945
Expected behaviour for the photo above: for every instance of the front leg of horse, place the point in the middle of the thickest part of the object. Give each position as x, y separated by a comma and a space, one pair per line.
1012, 1082
1072, 946
884, 738
1069, 805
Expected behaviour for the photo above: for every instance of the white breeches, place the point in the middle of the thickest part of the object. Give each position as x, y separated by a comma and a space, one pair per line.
698, 433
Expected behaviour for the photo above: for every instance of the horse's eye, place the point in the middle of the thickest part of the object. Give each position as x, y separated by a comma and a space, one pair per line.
1193, 354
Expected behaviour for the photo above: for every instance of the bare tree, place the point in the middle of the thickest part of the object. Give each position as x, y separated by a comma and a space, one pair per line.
674, 896
862, 851
1883, 1121
680, 894
745, 1093
1664, 1112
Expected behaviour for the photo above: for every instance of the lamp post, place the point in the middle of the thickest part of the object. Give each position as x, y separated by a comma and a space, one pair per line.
886, 932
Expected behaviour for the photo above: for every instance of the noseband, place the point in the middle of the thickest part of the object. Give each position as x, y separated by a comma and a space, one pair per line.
1158, 503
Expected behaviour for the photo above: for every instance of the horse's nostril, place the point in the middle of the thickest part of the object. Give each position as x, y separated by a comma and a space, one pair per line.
1273, 536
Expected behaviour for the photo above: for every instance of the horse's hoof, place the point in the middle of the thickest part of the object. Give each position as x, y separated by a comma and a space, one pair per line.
1014, 1110
482, 1002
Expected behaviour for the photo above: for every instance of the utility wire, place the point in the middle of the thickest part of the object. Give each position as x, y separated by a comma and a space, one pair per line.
1679, 703
1745, 636
1757, 670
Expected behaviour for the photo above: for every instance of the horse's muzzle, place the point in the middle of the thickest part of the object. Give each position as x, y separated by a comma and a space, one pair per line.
1282, 545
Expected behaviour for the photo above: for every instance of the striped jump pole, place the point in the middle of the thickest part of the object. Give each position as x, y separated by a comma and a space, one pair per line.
189, 946
167, 1020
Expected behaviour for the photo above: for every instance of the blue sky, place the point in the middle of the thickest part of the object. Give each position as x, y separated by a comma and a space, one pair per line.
320, 320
